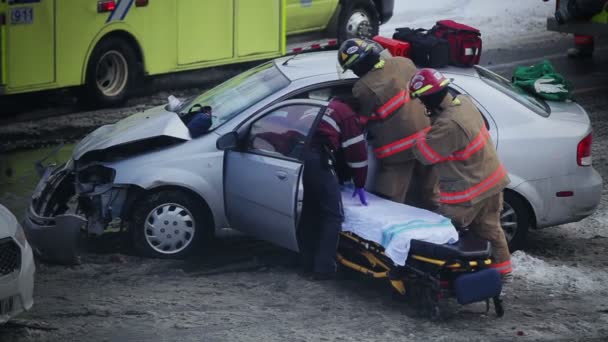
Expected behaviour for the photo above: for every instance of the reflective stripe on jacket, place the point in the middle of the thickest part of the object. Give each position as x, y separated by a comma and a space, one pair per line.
340, 129
394, 118
460, 144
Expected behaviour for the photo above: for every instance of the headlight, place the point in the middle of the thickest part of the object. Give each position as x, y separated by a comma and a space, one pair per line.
96, 174
20, 235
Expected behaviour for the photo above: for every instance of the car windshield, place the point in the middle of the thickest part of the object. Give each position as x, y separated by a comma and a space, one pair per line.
500, 83
239, 93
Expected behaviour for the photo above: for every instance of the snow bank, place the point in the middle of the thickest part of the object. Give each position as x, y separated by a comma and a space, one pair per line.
558, 277
501, 22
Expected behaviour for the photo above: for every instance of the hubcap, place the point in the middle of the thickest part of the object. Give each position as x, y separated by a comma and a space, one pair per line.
508, 221
358, 26
112, 73
169, 228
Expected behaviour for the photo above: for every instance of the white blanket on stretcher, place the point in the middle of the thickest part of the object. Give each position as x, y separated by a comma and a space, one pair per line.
393, 225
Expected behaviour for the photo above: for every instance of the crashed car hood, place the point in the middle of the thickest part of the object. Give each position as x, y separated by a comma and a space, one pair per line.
152, 123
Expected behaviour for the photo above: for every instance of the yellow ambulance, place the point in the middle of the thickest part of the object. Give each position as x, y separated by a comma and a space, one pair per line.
106, 46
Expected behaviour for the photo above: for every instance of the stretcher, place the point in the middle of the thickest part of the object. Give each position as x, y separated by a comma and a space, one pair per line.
445, 265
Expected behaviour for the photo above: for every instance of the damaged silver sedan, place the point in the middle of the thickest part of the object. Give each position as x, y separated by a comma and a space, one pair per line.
172, 191
148, 175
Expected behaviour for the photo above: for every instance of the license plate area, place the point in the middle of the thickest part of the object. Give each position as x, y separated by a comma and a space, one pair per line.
22, 16
7, 305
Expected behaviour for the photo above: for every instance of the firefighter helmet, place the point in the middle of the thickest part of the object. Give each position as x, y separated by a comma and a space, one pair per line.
427, 82
353, 51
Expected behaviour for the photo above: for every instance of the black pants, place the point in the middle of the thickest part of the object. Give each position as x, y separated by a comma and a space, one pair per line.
322, 214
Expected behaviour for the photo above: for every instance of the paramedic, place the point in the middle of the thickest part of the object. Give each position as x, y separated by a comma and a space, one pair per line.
471, 177
393, 121
322, 214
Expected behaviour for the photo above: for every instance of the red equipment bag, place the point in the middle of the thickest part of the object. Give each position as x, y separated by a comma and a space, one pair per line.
395, 47
465, 42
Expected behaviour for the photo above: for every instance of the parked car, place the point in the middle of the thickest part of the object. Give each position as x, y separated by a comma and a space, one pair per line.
16, 268
344, 19
175, 191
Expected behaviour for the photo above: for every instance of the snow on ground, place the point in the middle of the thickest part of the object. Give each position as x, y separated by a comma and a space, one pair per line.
537, 272
500, 21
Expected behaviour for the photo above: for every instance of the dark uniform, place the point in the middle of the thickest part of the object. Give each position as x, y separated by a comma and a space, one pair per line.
322, 215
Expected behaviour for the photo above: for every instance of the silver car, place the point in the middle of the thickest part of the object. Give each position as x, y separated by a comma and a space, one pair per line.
17, 268
172, 192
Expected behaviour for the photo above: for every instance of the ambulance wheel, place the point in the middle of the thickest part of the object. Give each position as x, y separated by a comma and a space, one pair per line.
170, 224
515, 220
112, 72
358, 19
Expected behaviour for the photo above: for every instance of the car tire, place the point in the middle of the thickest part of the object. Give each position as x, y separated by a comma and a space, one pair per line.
170, 224
515, 220
358, 18
112, 72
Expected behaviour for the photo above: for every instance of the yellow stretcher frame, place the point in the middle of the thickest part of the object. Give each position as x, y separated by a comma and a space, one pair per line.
368, 252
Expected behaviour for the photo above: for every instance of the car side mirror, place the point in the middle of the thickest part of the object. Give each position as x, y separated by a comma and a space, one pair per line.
228, 141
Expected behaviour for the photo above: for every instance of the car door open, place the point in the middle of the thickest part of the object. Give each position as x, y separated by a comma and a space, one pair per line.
262, 177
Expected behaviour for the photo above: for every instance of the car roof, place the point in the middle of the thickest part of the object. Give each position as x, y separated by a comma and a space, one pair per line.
325, 63
310, 64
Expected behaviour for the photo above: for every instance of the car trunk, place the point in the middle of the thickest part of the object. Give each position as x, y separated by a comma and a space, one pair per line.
568, 111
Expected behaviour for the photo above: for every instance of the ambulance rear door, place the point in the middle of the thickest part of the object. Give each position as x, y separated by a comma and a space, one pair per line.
30, 43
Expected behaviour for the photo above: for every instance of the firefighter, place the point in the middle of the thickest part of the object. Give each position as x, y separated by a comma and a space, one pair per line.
322, 215
471, 177
394, 120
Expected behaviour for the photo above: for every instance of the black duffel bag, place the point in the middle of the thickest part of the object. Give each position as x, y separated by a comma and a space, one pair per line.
427, 50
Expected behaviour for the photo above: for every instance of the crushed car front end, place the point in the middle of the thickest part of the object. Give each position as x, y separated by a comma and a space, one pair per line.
47, 218
69, 203
80, 197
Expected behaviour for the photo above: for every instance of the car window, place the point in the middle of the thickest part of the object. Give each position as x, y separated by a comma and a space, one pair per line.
324, 92
503, 85
455, 93
239, 93
327, 91
283, 132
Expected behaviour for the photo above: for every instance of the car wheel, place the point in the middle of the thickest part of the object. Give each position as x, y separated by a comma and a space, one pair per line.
169, 224
111, 73
515, 220
358, 19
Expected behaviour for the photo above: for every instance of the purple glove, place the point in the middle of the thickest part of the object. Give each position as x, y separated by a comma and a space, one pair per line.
362, 196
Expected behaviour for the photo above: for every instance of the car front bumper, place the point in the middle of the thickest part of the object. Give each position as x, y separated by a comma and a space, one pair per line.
17, 288
53, 238
56, 238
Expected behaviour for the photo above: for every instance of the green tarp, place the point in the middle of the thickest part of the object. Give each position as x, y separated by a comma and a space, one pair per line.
542, 81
